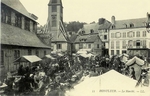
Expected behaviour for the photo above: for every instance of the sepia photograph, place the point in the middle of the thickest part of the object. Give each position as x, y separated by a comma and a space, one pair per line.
75, 48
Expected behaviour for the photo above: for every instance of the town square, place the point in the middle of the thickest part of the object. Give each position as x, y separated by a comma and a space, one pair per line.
75, 48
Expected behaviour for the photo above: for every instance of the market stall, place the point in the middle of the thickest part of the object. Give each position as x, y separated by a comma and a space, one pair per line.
137, 64
28, 60
104, 85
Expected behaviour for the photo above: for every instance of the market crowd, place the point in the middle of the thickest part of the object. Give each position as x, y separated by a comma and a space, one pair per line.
53, 76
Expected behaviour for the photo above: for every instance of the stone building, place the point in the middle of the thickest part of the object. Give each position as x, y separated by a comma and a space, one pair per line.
100, 28
89, 42
130, 34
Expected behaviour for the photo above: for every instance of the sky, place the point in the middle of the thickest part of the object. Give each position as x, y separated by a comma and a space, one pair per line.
90, 10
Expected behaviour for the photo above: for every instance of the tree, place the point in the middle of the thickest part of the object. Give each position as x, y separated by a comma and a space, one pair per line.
74, 26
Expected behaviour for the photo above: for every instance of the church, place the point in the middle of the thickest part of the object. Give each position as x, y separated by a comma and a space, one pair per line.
54, 33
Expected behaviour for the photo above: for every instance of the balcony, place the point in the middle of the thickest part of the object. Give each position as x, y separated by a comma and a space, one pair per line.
137, 47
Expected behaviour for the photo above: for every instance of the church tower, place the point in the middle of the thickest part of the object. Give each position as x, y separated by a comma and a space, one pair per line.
55, 24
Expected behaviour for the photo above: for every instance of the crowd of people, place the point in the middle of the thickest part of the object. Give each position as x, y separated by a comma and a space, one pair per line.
55, 75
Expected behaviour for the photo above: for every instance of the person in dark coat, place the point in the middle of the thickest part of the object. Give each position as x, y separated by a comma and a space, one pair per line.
21, 70
133, 73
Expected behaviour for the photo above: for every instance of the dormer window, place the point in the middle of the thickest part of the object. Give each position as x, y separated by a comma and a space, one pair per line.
148, 25
92, 31
83, 32
131, 25
125, 25
113, 26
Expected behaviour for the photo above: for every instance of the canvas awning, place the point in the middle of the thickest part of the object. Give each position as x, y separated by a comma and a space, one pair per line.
112, 80
135, 60
29, 58
84, 55
49, 56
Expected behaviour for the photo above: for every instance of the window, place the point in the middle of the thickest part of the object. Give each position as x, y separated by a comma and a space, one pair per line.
80, 45
112, 44
112, 52
54, 8
16, 54
98, 46
130, 34
124, 34
117, 34
89, 45
117, 52
8, 16
134, 43
59, 46
37, 53
138, 44
105, 37
117, 44
130, 43
133, 34
29, 52
3, 14
27, 24
144, 43
34, 27
54, 21
54, 1
124, 44
125, 25
18, 20
44, 53
113, 26
144, 33
92, 31
138, 34
131, 25
124, 51
2, 57
112, 35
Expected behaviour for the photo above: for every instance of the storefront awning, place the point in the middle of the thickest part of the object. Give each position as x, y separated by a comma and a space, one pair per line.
29, 58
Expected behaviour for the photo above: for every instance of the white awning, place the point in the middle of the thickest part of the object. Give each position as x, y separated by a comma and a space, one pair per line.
49, 56
29, 58
135, 60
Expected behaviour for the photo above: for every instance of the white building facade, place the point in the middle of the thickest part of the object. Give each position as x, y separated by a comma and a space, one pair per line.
129, 34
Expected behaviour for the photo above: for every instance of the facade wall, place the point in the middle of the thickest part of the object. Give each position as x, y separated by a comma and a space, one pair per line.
16, 19
95, 47
63, 46
11, 53
122, 39
98, 47
85, 46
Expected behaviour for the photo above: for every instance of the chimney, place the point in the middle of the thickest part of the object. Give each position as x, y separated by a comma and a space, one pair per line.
113, 20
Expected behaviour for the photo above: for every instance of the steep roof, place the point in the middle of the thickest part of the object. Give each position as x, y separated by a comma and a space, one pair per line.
87, 27
89, 38
105, 25
138, 22
11, 35
96, 26
17, 6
